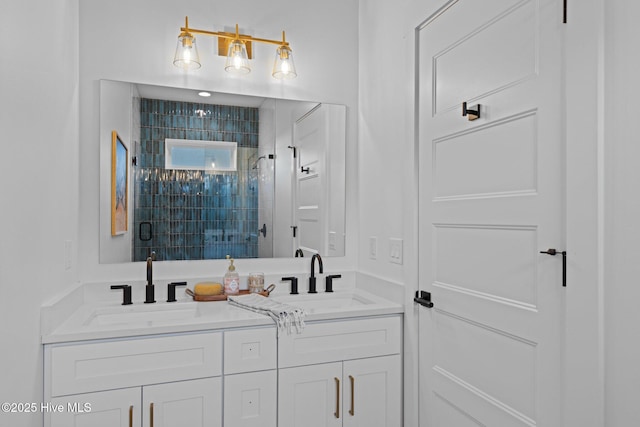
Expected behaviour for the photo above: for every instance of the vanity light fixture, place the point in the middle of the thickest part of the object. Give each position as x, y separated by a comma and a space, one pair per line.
236, 47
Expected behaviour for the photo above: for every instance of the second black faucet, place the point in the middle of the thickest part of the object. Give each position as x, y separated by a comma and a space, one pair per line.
149, 289
312, 278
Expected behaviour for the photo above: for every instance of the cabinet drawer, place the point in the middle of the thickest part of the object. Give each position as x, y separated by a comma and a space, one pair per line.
250, 350
81, 368
250, 399
342, 340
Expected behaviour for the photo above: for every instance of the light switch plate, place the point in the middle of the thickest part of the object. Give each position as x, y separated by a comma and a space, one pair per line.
395, 250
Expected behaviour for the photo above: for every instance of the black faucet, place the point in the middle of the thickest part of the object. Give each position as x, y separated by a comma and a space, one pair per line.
312, 279
328, 281
149, 289
299, 253
126, 293
294, 284
171, 290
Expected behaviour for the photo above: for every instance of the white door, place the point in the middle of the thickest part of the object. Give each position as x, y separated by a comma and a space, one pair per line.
309, 133
491, 194
372, 392
115, 408
310, 396
194, 403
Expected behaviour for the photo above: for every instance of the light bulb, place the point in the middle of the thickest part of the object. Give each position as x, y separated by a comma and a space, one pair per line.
237, 58
283, 67
186, 56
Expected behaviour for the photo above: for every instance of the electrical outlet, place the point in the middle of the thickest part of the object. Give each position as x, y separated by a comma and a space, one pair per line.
395, 251
373, 247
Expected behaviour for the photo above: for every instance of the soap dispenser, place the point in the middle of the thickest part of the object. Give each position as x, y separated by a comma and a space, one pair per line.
231, 279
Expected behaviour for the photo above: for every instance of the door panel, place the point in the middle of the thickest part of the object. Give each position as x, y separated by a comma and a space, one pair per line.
490, 199
310, 396
372, 390
465, 67
465, 164
114, 408
195, 403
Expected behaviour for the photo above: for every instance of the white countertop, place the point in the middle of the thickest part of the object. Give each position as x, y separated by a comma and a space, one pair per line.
91, 319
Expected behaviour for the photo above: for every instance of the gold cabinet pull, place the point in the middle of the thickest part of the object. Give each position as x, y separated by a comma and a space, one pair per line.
337, 413
352, 411
131, 416
151, 414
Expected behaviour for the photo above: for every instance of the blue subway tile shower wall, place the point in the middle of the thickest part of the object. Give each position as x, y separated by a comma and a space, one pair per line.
193, 214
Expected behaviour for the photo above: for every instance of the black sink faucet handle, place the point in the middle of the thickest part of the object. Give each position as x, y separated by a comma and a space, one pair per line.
294, 284
126, 293
171, 290
328, 282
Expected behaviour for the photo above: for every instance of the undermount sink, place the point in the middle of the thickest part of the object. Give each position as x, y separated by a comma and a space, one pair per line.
142, 314
321, 302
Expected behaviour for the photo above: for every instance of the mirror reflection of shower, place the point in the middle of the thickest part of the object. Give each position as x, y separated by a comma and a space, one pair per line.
215, 203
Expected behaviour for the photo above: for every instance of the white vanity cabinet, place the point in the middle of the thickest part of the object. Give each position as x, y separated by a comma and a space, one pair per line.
344, 373
172, 380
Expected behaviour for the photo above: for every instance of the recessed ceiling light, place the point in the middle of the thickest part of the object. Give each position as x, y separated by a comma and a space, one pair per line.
204, 94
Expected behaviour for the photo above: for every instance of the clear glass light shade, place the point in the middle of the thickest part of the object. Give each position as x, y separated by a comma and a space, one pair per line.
237, 58
186, 56
283, 67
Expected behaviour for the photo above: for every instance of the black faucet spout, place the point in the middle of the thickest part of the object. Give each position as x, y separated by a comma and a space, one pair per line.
149, 289
313, 258
312, 278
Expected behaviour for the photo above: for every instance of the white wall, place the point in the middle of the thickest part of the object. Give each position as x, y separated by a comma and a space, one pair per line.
622, 238
138, 46
39, 175
114, 248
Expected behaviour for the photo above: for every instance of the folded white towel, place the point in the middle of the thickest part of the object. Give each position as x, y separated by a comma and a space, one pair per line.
285, 316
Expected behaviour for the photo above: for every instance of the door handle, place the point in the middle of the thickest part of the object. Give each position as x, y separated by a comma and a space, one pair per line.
423, 298
337, 413
151, 414
305, 170
554, 252
131, 416
352, 411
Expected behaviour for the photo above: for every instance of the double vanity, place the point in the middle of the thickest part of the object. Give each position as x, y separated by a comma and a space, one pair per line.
192, 363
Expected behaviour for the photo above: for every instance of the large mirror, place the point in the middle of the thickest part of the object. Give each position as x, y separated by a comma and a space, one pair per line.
221, 175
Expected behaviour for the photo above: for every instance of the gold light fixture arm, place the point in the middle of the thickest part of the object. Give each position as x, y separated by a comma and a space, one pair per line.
232, 36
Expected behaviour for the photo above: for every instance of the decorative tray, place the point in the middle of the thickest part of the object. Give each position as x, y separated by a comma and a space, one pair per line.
223, 296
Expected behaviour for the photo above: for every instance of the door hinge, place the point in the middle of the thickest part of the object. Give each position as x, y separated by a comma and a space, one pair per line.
423, 298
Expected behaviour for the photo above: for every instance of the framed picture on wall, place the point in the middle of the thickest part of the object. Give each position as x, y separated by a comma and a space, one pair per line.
119, 185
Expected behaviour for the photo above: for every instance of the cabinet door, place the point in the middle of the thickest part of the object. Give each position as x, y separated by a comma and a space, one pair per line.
115, 408
372, 392
250, 399
193, 403
310, 396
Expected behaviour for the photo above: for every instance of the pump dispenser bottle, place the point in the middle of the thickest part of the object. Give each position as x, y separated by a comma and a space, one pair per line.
231, 279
